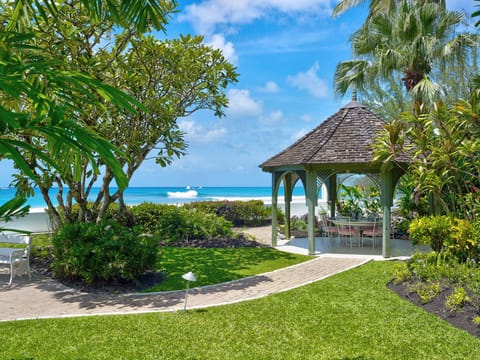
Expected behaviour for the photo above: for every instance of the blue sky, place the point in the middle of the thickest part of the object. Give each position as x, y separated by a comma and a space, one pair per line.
286, 52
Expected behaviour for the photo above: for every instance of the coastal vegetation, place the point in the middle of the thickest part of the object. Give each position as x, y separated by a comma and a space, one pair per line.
122, 250
416, 40
67, 130
109, 267
166, 78
418, 51
43, 95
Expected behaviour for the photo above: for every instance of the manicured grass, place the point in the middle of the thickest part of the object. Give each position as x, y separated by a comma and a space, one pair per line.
218, 265
352, 315
211, 265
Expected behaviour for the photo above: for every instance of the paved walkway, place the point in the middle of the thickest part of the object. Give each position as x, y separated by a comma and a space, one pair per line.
45, 298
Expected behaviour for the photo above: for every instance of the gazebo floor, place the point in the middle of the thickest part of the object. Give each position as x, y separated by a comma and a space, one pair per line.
334, 245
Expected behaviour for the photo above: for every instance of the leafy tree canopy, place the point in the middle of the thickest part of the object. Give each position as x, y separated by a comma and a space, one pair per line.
42, 95
170, 78
414, 40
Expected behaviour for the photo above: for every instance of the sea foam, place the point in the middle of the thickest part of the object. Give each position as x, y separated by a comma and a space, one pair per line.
182, 194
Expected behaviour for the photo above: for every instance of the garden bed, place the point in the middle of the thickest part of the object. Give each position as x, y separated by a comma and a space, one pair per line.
462, 319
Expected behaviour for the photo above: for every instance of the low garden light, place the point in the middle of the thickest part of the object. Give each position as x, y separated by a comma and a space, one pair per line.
189, 277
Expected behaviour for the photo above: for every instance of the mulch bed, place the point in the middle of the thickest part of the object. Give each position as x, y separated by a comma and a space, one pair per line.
239, 241
461, 319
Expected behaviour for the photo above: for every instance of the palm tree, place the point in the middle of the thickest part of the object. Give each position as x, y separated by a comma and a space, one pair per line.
476, 79
377, 6
411, 40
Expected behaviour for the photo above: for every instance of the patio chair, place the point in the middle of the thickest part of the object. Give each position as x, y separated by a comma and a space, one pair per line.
327, 229
17, 258
348, 232
374, 232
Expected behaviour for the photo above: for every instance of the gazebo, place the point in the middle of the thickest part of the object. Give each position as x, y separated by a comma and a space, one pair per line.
340, 144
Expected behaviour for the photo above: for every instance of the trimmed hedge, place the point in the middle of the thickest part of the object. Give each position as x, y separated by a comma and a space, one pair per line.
240, 213
171, 223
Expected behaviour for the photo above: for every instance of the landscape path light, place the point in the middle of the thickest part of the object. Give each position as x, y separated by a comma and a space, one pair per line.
189, 277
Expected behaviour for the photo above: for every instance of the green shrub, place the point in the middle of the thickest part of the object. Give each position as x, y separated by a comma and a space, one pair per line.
280, 213
102, 252
431, 230
461, 242
424, 266
112, 213
443, 233
298, 223
401, 273
457, 299
195, 225
148, 215
172, 223
426, 290
240, 213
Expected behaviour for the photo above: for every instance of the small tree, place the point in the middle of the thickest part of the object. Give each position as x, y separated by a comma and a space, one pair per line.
41, 95
171, 78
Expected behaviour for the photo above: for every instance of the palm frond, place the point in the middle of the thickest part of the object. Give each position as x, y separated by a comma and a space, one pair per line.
348, 74
345, 5
13, 208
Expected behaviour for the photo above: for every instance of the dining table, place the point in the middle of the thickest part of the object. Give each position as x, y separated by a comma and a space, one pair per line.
358, 223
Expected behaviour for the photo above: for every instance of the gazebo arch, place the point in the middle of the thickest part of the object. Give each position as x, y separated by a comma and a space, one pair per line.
340, 144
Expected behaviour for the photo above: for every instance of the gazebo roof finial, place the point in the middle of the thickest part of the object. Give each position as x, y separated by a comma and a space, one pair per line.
354, 95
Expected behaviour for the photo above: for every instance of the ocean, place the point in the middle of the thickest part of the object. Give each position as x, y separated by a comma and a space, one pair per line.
173, 195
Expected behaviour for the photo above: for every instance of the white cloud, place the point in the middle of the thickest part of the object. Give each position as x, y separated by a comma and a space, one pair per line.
198, 133
306, 118
208, 14
272, 118
241, 104
288, 41
297, 135
218, 42
310, 82
270, 87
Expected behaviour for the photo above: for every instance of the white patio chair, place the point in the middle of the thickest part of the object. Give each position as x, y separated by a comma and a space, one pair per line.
17, 258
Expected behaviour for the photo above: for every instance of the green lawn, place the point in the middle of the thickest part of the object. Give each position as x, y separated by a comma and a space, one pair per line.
352, 315
211, 265
217, 265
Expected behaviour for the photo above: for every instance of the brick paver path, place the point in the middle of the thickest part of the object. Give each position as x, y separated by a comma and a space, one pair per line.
42, 298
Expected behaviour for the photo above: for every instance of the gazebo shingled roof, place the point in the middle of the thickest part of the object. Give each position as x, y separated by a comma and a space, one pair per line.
344, 138
342, 143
